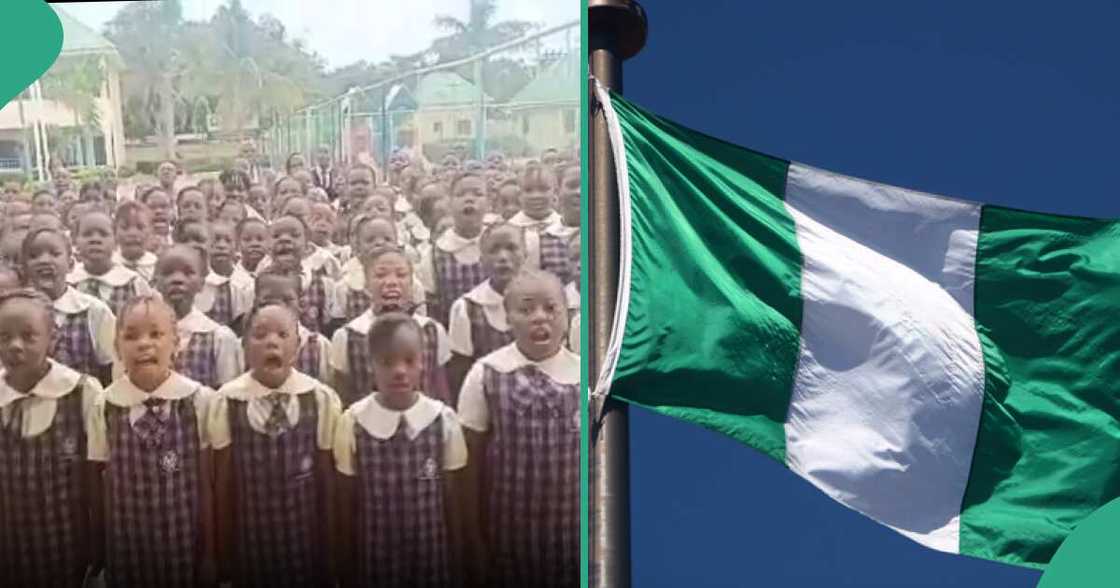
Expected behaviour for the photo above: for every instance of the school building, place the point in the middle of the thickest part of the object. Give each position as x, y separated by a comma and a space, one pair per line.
545, 113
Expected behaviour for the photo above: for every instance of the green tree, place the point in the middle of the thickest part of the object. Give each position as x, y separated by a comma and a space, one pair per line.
77, 82
502, 76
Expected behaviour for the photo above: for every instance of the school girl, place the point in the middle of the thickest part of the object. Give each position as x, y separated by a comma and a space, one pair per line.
97, 274
351, 297
276, 286
227, 292
289, 242
252, 244
45, 501
519, 407
538, 196
272, 430
400, 454
132, 229
556, 237
454, 264
147, 435
159, 203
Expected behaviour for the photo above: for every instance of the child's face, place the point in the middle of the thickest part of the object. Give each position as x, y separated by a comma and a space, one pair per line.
322, 223
216, 197
468, 203
166, 174
271, 345
396, 371
288, 188
162, 215
570, 196
221, 252
509, 201
283, 290
133, 231
48, 260
178, 277
254, 243
25, 335
232, 213
537, 200
389, 283
375, 233
42, 204
257, 198
146, 341
192, 206
95, 240
537, 316
196, 235
502, 256
288, 242
378, 205
359, 184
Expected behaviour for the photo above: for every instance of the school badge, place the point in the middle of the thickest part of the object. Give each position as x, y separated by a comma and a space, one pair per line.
169, 462
69, 447
430, 471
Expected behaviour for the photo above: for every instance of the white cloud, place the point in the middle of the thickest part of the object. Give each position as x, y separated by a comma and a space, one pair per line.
345, 31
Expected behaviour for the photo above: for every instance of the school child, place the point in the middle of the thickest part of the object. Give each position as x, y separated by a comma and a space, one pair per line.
538, 194
252, 244
454, 265
555, 238
257, 199
97, 274
508, 198
360, 180
132, 229
235, 183
289, 246
45, 538
163, 216
190, 204
232, 212
276, 286
478, 323
208, 352
284, 189
195, 233
83, 337
42, 202
147, 437
400, 455
215, 195
227, 293
350, 296
519, 407
322, 223
389, 279
272, 431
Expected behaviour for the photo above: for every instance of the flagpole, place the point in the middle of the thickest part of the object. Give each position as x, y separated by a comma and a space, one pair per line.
616, 32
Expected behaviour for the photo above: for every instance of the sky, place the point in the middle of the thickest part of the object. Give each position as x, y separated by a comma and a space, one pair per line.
996, 102
356, 29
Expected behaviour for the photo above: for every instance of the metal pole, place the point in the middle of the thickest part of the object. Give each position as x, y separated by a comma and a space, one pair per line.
616, 32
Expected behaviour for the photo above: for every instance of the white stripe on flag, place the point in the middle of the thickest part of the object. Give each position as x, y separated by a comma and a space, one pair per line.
890, 380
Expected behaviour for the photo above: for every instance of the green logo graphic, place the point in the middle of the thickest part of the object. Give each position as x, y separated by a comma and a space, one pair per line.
1088, 557
31, 37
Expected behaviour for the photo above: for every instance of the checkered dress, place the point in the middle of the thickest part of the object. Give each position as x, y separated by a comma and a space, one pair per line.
314, 303
532, 479
308, 359
433, 379
73, 345
554, 257
199, 361
453, 279
43, 508
118, 295
357, 302
280, 530
485, 338
403, 541
153, 535
222, 310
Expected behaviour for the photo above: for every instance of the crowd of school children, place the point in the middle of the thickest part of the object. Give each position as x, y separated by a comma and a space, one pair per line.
325, 376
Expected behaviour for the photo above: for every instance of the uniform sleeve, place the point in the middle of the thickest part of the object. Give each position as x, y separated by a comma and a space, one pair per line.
97, 442
454, 445
339, 360
330, 288
140, 286
230, 359
426, 272
103, 330
443, 350
473, 412
459, 329
344, 443
91, 390
326, 370
204, 400
573, 334
338, 304
330, 411
242, 298
217, 422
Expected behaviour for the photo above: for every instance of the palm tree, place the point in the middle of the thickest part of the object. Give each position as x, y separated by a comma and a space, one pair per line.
478, 33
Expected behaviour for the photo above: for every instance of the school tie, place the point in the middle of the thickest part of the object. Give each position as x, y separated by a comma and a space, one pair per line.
151, 425
88, 286
277, 421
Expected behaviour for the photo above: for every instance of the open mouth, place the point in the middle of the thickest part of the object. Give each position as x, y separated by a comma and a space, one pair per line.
540, 335
146, 361
44, 273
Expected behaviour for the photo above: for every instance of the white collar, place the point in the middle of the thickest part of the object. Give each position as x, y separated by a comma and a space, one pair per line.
484, 294
117, 276
72, 301
355, 277
571, 292
196, 322
383, 422
245, 387
523, 220
561, 230
58, 382
124, 393
364, 321
239, 276
148, 258
562, 367
451, 242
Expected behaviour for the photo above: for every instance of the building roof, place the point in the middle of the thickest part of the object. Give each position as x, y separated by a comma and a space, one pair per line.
444, 88
79, 39
559, 81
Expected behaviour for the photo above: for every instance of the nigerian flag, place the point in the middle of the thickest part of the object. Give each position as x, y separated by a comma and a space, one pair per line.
947, 368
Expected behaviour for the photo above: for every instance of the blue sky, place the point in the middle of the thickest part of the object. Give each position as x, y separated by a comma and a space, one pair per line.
1009, 103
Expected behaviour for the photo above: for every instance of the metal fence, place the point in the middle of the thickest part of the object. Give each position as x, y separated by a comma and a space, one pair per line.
519, 98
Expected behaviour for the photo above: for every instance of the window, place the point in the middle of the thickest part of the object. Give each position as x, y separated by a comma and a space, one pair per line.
570, 120
463, 127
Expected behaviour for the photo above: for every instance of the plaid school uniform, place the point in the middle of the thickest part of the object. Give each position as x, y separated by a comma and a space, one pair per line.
535, 230
43, 504
145, 265
78, 317
352, 299
209, 353
315, 308
278, 522
554, 251
153, 535
453, 279
403, 539
433, 378
309, 359
484, 337
114, 288
532, 475
226, 298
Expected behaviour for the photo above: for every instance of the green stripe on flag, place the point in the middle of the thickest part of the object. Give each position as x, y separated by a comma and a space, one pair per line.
712, 332
1048, 448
